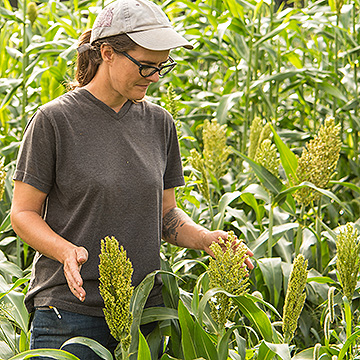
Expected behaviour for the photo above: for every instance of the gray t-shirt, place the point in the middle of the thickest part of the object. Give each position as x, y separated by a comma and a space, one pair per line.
104, 173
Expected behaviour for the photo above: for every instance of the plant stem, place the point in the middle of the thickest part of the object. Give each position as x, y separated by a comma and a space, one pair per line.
298, 239
25, 59
318, 236
271, 224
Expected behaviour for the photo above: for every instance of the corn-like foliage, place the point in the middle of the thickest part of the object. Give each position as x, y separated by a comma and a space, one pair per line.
318, 161
227, 270
348, 262
295, 297
116, 290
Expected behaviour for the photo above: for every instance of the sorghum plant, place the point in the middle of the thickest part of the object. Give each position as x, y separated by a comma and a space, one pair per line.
197, 162
261, 149
318, 161
348, 262
295, 297
216, 152
266, 155
227, 270
116, 290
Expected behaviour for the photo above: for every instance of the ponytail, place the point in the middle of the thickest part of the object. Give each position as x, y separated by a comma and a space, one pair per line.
89, 56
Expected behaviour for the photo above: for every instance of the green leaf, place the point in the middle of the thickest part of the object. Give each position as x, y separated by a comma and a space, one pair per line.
97, 348
247, 306
347, 344
17, 309
223, 344
144, 351
158, 314
272, 274
225, 104
268, 350
325, 192
187, 333
288, 159
278, 230
52, 353
204, 345
321, 280
256, 316
271, 182
168, 357
225, 200
332, 90
307, 354
271, 34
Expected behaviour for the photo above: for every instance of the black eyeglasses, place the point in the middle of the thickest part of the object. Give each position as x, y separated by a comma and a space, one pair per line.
148, 70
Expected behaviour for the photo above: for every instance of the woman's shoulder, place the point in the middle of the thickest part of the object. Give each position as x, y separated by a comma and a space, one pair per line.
154, 109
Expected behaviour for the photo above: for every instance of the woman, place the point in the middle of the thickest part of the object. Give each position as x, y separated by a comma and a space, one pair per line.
101, 161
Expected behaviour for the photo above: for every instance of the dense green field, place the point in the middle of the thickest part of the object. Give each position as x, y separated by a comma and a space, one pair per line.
267, 112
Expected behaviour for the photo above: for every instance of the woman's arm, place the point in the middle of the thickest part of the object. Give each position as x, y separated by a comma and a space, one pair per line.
27, 222
179, 229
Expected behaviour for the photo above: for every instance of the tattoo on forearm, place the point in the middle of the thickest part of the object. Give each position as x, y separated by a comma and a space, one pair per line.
172, 221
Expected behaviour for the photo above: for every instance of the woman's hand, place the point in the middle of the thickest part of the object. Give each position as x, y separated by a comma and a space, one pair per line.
73, 261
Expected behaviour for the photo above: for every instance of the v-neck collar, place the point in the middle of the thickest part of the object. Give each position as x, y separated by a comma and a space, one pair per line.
117, 115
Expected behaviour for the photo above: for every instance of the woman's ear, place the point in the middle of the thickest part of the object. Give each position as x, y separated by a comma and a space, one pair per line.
107, 52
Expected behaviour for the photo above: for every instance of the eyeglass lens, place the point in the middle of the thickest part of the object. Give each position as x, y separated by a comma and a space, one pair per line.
146, 71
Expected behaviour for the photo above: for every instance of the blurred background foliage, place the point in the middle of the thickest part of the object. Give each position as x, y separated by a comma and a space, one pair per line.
261, 88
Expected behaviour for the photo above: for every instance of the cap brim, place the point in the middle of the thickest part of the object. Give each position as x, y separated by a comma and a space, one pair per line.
159, 39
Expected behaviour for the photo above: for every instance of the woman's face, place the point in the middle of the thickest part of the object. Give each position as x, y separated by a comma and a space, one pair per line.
124, 77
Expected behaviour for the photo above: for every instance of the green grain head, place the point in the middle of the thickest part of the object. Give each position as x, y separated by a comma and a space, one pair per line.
116, 290
216, 152
347, 263
318, 161
227, 271
295, 297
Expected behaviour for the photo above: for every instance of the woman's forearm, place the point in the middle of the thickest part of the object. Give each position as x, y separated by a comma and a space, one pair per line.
180, 230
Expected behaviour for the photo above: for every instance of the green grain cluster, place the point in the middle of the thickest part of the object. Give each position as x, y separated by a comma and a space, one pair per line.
116, 290
261, 148
295, 297
318, 161
227, 271
348, 262
216, 152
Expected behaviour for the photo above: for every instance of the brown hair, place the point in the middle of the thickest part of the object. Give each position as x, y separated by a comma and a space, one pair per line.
88, 61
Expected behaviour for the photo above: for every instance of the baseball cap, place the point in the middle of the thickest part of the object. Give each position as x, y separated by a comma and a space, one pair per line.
142, 20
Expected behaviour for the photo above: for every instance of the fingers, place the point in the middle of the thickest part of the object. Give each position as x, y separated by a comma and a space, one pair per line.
72, 266
224, 235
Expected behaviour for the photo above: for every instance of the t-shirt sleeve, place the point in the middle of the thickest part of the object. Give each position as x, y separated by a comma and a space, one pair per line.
174, 175
36, 159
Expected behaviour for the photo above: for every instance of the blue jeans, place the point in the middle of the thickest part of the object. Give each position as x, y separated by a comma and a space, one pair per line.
48, 331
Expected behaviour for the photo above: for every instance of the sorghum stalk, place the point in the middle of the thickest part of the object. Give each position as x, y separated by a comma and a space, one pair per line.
295, 297
115, 288
227, 271
198, 163
348, 262
331, 303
